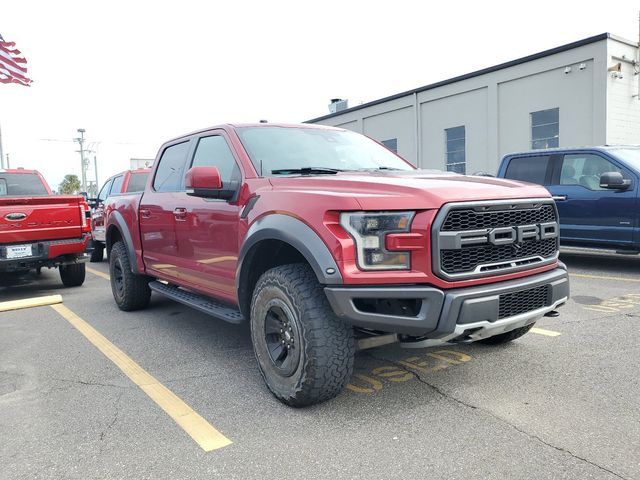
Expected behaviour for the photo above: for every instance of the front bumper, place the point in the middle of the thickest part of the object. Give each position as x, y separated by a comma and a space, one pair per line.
469, 313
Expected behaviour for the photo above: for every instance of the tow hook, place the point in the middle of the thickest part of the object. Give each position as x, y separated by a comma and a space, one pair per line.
552, 313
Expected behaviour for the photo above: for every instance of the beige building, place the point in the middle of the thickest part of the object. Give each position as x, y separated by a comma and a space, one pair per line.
583, 93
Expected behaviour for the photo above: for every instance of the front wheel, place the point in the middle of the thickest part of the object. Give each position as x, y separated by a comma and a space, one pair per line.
507, 336
304, 352
130, 291
72, 275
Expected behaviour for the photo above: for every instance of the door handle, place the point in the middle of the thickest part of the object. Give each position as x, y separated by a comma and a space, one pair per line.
180, 214
559, 198
144, 213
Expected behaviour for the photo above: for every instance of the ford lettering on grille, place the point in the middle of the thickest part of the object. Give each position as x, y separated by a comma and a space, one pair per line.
488, 238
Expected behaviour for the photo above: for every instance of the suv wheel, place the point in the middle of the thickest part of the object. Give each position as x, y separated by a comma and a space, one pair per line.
97, 253
507, 336
72, 275
130, 291
304, 352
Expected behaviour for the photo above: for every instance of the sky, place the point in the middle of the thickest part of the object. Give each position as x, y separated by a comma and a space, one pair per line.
134, 74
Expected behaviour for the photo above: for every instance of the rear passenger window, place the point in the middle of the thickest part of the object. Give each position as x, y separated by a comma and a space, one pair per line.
116, 188
137, 182
528, 169
171, 168
214, 152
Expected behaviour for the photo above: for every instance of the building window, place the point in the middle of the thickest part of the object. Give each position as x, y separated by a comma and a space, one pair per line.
391, 144
545, 128
456, 158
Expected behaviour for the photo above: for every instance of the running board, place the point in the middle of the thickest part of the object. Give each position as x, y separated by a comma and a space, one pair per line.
205, 304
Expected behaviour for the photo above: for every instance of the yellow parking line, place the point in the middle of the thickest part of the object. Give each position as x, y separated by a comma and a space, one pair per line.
542, 331
30, 302
98, 273
193, 424
604, 277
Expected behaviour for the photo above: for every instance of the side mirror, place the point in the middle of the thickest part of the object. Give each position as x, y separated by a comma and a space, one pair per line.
93, 202
205, 182
614, 181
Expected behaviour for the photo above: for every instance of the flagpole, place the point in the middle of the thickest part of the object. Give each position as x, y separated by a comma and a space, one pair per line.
1, 152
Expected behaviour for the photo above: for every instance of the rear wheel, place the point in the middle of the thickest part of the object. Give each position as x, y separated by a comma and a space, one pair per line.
98, 252
130, 291
507, 336
72, 275
304, 352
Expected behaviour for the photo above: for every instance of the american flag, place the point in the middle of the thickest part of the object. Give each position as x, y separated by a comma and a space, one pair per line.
13, 65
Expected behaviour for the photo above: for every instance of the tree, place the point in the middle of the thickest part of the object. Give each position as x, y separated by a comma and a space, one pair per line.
70, 185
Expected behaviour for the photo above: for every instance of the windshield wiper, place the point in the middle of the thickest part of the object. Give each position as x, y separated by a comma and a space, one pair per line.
378, 168
305, 171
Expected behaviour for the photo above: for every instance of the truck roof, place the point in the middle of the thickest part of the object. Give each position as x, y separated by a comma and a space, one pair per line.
18, 170
603, 148
230, 126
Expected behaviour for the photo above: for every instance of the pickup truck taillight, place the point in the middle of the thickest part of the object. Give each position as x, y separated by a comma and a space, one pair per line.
85, 216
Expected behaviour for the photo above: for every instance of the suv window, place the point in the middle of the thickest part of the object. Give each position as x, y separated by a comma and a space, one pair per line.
585, 169
104, 191
170, 170
116, 188
137, 182
528, 169
214, 152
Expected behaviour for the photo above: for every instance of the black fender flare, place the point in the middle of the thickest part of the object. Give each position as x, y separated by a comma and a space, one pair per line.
117, 221
299, 235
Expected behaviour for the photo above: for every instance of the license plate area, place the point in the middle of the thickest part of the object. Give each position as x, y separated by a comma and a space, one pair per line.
18, 251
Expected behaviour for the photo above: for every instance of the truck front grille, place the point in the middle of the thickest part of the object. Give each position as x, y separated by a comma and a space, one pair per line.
488, 238
515, 303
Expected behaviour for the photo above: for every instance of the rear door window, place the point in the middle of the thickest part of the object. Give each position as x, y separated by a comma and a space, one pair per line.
137, 182
528, 169
170, 171
17, 184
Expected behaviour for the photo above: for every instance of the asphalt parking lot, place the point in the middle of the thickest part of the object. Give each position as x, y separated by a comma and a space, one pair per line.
87, 391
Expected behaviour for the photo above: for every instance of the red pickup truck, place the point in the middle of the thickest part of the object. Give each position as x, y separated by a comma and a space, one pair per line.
39, 229
325, 242
129, 181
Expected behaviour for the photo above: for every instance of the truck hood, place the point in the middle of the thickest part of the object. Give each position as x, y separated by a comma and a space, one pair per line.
416, 189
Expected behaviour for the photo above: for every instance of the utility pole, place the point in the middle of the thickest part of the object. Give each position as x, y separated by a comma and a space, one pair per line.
8, 165
83, 170
95, 165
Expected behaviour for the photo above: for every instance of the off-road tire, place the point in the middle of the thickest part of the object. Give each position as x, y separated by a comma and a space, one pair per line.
72, 275
130, 291
326, 345
507, 336
97, 254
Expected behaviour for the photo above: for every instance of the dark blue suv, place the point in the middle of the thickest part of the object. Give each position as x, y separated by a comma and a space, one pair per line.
595, 188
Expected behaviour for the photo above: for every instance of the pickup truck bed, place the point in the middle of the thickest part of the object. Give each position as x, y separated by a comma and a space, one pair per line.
38, 229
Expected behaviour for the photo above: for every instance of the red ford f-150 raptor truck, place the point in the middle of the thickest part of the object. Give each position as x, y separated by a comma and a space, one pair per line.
129, 181
39, 229
325, 241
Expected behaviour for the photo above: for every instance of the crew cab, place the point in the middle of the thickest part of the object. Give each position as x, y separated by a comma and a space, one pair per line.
129, 181
324, 242
595, 189
39, 229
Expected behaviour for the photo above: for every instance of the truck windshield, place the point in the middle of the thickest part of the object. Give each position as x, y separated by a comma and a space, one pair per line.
630, 155
17, 184
280, 150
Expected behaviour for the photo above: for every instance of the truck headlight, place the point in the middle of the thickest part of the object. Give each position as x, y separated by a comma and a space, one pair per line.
369, 230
